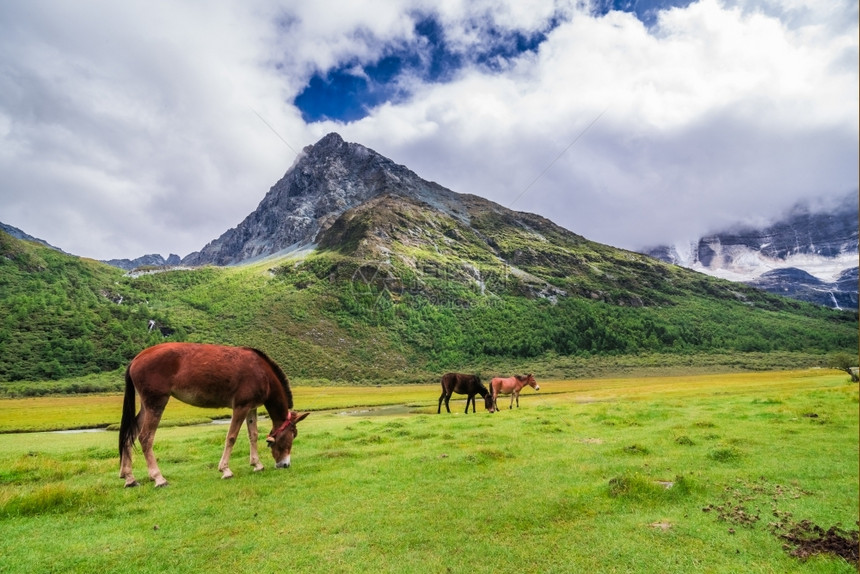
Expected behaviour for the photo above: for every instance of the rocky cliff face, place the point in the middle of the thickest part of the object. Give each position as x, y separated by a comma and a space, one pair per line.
328, 178
806, 255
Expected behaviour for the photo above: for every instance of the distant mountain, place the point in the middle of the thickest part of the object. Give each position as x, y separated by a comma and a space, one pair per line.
337, 190
18, 234
799, 284
151, 260
347, 198
807, 255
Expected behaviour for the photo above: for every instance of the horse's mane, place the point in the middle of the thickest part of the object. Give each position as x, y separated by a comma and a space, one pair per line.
280, 374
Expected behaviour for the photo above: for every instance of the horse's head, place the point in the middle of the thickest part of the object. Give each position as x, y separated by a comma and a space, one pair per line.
488, 402
530, 381
280, 440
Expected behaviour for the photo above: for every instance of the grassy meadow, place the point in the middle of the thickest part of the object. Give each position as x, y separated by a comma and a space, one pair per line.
711, 473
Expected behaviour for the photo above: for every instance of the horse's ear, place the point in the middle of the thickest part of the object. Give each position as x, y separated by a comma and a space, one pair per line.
301, 417
270, 440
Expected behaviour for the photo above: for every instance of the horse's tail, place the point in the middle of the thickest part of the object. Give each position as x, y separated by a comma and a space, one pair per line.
128, 426
285, 383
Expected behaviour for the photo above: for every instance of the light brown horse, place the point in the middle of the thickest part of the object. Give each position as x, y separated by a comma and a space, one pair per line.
512, 386
210, 376
461, 384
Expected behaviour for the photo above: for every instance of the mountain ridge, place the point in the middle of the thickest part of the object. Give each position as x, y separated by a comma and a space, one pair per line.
347, 198
19, 234
332, 177
806, 254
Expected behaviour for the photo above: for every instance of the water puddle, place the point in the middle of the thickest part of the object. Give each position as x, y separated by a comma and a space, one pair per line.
356, 412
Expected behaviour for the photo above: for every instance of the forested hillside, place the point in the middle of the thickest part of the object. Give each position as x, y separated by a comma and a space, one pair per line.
63, 316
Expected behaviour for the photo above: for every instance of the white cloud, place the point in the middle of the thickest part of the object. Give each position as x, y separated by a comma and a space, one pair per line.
130, 128
715, 115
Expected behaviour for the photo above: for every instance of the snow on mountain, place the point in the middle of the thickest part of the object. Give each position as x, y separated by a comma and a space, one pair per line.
805, 254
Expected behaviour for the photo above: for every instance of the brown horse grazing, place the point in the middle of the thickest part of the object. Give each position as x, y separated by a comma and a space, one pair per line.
470, 385
512, 386
210, 376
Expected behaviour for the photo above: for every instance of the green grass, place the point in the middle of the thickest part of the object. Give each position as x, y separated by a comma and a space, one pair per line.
575, 480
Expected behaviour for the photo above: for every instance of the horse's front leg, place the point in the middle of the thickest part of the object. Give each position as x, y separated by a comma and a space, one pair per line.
469, 398
514, 394
232, 433
252, 437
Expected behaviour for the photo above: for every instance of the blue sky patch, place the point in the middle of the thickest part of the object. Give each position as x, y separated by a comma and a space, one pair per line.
645, 10
350, 91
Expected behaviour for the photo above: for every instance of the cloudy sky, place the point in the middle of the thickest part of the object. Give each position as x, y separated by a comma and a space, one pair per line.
137, 127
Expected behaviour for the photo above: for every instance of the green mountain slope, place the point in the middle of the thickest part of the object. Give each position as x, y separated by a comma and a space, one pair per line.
398, 290
502, 283
62, 316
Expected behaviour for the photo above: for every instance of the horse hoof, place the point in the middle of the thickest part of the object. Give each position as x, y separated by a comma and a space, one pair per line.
161, 484
132, 484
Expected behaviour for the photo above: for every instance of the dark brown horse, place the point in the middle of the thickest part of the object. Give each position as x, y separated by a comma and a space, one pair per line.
210, 376
470, 385
512, 386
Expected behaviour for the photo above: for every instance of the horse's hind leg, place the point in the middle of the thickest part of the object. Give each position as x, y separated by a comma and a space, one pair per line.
125, 458
149, 424
232, 433
252, 437
447, 399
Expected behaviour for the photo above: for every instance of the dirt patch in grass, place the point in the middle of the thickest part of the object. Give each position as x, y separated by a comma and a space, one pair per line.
804, 539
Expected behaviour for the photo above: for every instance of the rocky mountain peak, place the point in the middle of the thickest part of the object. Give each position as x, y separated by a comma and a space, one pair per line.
328, 144
328, 178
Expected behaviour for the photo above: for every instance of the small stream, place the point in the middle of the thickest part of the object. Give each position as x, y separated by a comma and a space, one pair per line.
355, 412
